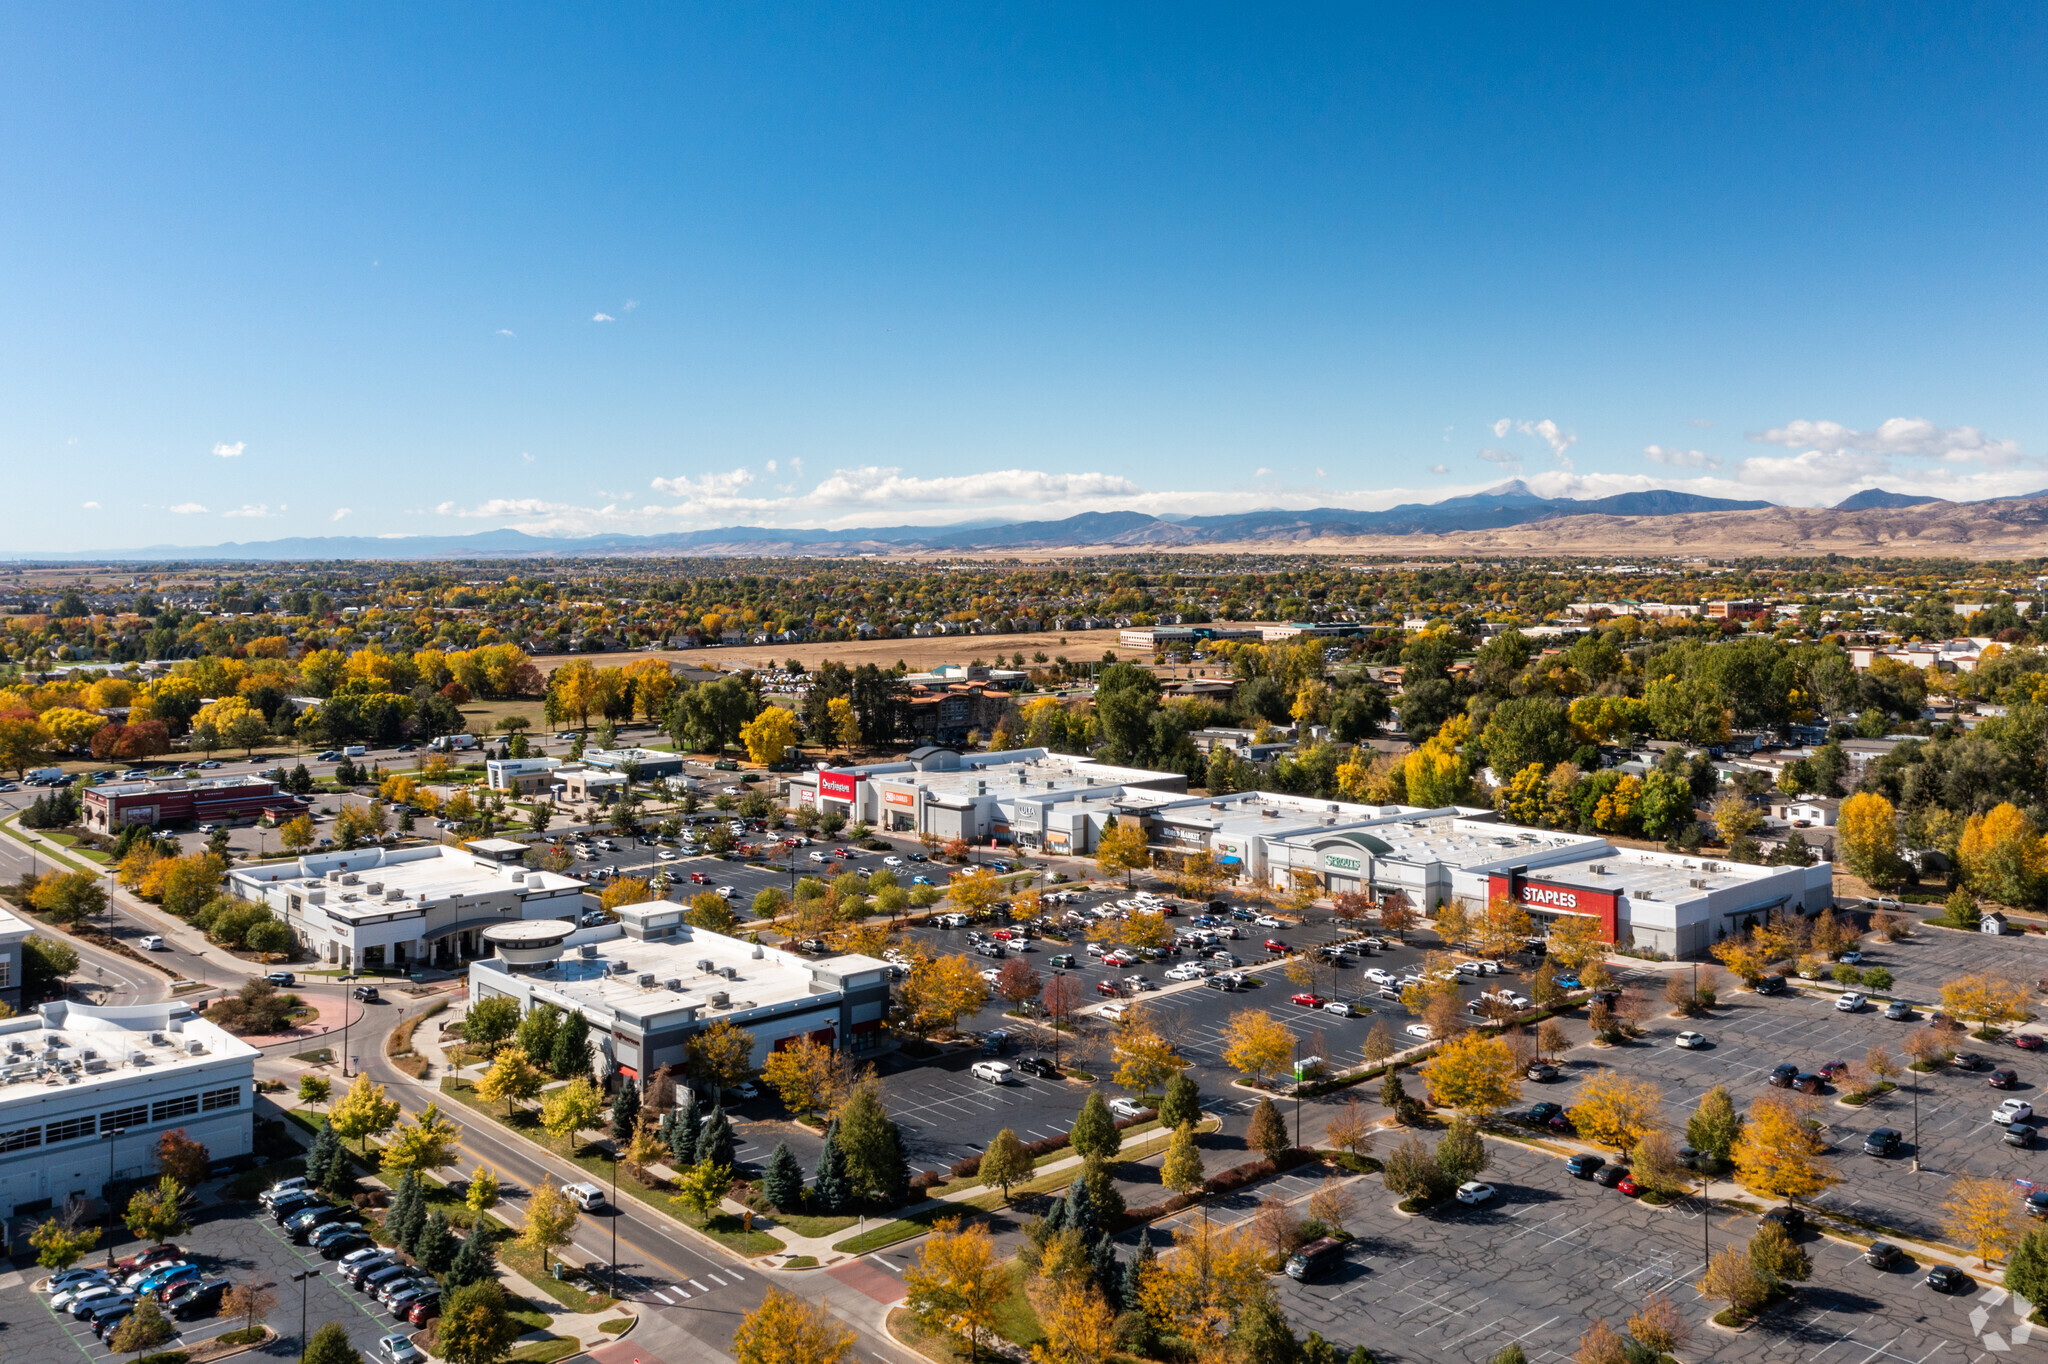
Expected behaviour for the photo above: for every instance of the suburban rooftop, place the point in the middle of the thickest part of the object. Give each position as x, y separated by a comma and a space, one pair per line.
67, 1045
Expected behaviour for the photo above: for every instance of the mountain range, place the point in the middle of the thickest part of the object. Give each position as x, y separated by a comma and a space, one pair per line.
1658, 520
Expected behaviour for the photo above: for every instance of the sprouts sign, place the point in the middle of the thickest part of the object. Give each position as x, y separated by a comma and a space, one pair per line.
1551, 898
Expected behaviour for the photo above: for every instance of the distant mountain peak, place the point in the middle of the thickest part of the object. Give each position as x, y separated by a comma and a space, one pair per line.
1514, 487
1877, 499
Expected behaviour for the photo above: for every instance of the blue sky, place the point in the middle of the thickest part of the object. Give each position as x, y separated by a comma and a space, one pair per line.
412, 269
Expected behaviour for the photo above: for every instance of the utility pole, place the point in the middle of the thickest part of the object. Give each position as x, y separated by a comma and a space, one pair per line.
300, 1280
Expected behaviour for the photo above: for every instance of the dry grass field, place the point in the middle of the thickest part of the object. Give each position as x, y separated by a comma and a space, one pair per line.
919, 654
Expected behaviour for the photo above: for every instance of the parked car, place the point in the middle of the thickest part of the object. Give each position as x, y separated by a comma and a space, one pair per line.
1473, 1192
1849, 1001
1882, 1141
1783, 1074
1583, 1165
1882, 1255
1898, 1010
2012, 1111
2003, 1078
1126, 1108
396, 1349
1420, 1031
201, 1300
1225, 981
1948, 1279
1792, 1220
1309, 1000
1340, 1008
1545, 1115
1316, 1258
1039, 1066
1607, 1176
1541, 1071
994, 1072
2021, 1135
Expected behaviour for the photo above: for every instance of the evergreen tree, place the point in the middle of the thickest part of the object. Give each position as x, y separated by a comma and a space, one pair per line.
683, 1137
1108, 1271
1105, 1201
716, 1143
1134, 1276
435, 1246
2026, 1269
1262, 1335
830, 1188
408, 1212
1268, 1132
570, 1054
474, 1262
783, 1181
1055, 1219
1081, 1212
665, 1130
326, 1163
1182, 1103
625, 1112
896, 1164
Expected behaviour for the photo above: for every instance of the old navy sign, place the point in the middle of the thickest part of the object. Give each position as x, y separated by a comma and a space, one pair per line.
838, 785
1604, 905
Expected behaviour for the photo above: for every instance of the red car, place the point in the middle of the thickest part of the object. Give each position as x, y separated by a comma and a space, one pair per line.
1832, 1069
2027, 1041
699, 878
1308, 1001
153, 1255
1275, 945
1629, 1186
1107, 987
1004, 933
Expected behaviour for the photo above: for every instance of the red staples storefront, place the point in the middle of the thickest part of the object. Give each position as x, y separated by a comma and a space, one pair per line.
1551, 898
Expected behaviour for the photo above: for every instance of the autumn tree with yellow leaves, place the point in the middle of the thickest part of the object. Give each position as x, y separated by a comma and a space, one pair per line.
1780, 1152
957, 1282
1615, 1110
1475, 1073
1256, 1044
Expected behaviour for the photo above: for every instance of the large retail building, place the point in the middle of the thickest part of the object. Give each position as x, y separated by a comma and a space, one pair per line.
85, 1094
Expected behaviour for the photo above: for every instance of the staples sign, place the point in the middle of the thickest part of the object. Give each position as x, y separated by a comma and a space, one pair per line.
838, 785
1550, 897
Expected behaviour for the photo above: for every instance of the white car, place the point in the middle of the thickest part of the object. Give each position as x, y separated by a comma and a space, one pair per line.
892, 861
817, 857
1227, 958
1850, 1002
1339, 1008
1378, 976
1419, 1030
1474, 1193
396, 1349
995, 1072
151, 942
1491, 968
1692, 1041
1268, 921
991, 975
1111, 1011
725, 892
665, 855
2012, 1111
1125, 1108
1187, 971
1096, 949
1135, 983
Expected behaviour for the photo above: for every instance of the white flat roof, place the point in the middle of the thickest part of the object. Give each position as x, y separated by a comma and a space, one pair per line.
1459, 842
610, 981
71, 1047
437, 873
1642, 874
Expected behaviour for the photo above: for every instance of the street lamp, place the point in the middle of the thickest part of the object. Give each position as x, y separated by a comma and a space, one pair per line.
300, 1280
109, 1137
615, 1213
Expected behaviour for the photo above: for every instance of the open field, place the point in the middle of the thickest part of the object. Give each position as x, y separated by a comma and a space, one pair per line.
919, 654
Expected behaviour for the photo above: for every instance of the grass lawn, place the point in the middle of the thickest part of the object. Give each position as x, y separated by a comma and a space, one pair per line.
545, 1351
804, 1224
1128, 1152
527, 1315
721, 1227
901, 1229
526, 1261
1015, 1320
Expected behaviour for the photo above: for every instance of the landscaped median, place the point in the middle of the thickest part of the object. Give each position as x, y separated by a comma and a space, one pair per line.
729, 1231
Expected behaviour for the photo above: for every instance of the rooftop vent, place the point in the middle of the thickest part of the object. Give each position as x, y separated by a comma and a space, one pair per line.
719, 999
730, 972
704, 965
518, 876
195, 1047
646, 980
135, 1058
374, 889
1697, 883
588, 951
673, 983
757, 954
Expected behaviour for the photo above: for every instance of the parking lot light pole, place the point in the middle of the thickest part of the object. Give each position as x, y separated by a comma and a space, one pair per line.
1706, 1226
1916, 1121
300, 1280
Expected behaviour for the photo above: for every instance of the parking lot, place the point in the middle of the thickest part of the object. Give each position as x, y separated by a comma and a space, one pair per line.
1552, 1254
234, 1241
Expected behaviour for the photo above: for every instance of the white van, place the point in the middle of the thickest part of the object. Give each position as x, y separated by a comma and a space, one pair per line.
586, 1195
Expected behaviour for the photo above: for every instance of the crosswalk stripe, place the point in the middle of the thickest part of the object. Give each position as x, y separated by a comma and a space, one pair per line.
699, 1287
664, 1297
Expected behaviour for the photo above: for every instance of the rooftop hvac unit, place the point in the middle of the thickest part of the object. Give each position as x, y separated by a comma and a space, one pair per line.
704, 965
588, 950
96, 1065
393, 895
1697, 884
374, 889
157, 1039
17, 1044
195, 1047
518, 876
1710, 866
1598, 869
673, 983
646, 981
138, 1058
620, 968
349, 878
718, 999
731, 973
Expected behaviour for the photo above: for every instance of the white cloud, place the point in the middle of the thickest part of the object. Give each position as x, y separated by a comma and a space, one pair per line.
1439, 468
188, 509
631, 304
708, 486
1262, 473
1912, 437
1546, 431
92, 506
871, 484
257, 510
340, 512
769, 466
1681, 459
1320, 473
796, 466
506, 331
226, 451
525, 457
603, 317
1503, 426
1506, 459
499, 507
